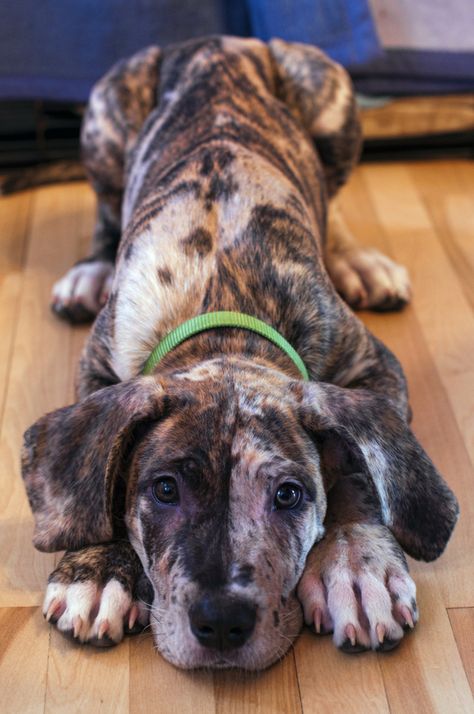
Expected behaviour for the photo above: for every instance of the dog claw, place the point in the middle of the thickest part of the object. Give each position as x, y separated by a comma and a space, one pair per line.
77, 625
55, 604
103, 627
317, 616
351, 634
132, 618
405, 612
380, 630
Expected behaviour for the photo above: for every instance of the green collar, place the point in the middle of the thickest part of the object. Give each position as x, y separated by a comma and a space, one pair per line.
213, 320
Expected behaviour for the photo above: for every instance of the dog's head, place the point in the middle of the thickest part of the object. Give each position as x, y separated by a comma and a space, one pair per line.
219, 476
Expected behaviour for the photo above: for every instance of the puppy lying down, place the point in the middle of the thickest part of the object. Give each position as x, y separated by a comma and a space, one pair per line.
224, 483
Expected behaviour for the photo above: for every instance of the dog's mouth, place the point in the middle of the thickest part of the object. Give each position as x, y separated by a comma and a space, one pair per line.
221, 633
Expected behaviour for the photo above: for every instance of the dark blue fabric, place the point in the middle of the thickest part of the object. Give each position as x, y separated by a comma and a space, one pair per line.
343, 28
402, 72
57, 49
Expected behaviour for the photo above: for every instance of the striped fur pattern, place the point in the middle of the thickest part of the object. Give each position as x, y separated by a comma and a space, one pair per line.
213, 162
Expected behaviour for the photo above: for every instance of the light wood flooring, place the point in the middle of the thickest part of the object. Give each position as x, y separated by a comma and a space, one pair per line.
422, 214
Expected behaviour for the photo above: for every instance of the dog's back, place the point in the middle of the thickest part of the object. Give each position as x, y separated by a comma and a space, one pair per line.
217, 103
223, 186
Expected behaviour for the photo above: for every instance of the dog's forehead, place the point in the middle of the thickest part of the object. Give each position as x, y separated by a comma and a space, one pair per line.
227, 416
250, 386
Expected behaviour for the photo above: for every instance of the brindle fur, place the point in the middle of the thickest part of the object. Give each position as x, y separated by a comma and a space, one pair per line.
221, 154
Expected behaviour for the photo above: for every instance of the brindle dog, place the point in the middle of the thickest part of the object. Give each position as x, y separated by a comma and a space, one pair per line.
215, 496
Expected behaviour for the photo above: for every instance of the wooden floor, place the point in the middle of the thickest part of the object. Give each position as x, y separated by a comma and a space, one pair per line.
421, 214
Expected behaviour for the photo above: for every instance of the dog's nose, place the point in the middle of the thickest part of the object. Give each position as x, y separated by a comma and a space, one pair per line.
222, 623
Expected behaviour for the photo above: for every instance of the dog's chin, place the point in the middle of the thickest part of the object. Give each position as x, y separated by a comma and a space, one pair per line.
267, 645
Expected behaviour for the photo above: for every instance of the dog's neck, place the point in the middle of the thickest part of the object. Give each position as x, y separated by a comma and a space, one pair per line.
227, 342
216, 321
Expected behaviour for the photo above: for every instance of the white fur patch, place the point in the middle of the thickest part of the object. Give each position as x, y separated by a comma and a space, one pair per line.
88, 611
80, 600
148, 307
377, 463
86, 284
115, 603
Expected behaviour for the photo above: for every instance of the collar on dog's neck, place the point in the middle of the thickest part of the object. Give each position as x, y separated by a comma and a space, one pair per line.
214, 320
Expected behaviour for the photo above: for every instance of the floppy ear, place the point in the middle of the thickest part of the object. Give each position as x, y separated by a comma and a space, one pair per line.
319, 94
416, 504
71, 459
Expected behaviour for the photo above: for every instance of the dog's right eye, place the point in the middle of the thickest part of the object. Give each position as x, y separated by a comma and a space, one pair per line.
165, 490
288, 496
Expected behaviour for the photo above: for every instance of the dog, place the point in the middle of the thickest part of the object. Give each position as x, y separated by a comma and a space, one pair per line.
223, 496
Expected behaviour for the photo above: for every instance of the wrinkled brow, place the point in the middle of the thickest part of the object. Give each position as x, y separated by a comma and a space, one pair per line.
286, 470
191, 465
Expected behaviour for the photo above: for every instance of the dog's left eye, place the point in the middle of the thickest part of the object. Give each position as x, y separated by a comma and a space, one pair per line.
287, 496
165, 490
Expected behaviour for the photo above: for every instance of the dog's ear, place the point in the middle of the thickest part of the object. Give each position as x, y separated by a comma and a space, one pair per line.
71, 459
415, 502
319, 94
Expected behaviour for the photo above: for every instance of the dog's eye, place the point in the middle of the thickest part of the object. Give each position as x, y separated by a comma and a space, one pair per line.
165, 490
287, 496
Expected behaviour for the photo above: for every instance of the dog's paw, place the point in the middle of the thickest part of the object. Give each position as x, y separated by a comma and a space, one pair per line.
356, 584
93, 595
83, 291
368, 279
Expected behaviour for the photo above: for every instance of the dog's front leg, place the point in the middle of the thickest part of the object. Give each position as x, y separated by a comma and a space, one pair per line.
363, 276
118, 107
98, 594
356, 582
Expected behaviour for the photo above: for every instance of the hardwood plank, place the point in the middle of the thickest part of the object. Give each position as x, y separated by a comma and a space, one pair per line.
84, 233
24, 642
274, 691
86, 679
156, 686
40, 379
445, 315
462, 622
426, 675
14, 218
446, 195
436, 408
337, 683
